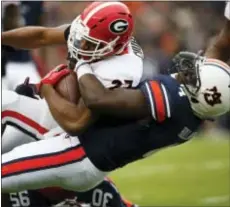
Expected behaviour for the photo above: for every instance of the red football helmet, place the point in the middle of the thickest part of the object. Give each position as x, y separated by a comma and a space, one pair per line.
103, 29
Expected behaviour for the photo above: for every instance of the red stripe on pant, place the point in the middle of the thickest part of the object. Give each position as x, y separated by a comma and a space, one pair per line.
25, 120
38, 162
159, 100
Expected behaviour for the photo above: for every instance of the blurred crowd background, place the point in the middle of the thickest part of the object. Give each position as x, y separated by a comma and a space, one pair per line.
161, 28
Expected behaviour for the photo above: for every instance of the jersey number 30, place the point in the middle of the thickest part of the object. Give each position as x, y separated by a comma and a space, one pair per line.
100, 198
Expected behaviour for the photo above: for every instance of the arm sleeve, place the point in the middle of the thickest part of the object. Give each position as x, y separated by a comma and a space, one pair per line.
158, 99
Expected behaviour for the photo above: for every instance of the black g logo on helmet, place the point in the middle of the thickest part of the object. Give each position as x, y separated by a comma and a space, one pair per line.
119, 26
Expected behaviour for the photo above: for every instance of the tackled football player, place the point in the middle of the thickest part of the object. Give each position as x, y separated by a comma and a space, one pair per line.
117, 44
161, 112
113, 49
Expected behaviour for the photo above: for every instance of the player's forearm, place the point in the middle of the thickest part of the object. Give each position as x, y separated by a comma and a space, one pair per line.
218, 50
24, 37
220, 47
68, 115
28, 38
91, 89
122, 103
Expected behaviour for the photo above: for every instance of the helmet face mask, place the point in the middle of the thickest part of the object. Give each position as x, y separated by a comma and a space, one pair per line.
82, 46
188, 71
206, 83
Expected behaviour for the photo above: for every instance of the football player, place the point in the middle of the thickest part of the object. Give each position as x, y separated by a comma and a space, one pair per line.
20, 111
130, 124
106, 43
220, 48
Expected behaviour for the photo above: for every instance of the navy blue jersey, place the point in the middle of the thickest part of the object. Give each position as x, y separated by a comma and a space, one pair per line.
105, 194
31, 12
173, 122
25, 198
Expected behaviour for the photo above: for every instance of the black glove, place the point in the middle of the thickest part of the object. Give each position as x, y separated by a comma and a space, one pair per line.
27, 89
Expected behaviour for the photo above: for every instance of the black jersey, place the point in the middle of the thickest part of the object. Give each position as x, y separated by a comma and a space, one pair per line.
110, 146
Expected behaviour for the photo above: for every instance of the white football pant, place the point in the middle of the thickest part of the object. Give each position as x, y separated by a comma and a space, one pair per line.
17, 72
59, 161
29, 115
15, 75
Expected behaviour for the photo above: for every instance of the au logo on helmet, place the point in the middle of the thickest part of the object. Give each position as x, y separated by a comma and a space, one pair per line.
119, 26
214, 98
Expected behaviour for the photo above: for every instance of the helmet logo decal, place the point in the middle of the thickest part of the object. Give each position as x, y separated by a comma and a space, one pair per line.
212, 97
119, 26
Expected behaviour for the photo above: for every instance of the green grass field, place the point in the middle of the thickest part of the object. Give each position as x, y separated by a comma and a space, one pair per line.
193, 174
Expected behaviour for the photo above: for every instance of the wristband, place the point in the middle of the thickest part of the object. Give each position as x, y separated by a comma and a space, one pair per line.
83, 69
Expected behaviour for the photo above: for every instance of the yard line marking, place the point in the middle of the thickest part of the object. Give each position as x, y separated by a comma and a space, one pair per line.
215, 199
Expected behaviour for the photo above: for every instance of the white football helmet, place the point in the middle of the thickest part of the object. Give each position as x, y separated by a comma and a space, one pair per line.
210, 95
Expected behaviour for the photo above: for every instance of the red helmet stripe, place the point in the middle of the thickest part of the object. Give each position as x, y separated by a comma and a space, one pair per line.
218, 62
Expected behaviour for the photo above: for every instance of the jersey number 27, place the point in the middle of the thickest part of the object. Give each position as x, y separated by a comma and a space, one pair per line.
118, 84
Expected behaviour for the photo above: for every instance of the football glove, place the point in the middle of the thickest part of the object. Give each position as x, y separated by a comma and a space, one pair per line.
54, 76
27, 89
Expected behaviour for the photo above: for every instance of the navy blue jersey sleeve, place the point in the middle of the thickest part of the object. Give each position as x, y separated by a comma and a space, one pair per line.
158, 98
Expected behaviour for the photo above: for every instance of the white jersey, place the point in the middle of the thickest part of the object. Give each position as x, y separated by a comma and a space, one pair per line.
227, 10
120, 71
